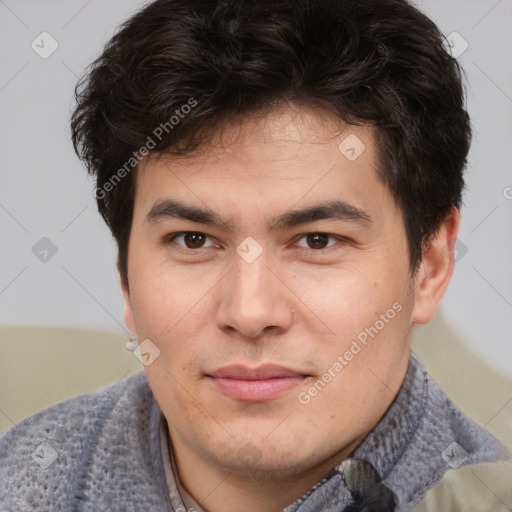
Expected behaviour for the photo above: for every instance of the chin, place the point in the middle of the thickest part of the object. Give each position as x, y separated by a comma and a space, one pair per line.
268, 467
259, 458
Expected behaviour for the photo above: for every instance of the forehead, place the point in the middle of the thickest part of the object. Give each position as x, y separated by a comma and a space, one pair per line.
288, 157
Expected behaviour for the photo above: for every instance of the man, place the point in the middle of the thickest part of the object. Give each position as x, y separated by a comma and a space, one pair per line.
283, 181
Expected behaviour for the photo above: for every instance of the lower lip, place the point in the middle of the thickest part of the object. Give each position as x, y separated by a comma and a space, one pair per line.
256, 390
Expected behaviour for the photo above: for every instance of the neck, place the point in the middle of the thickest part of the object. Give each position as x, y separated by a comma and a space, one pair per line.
223, 490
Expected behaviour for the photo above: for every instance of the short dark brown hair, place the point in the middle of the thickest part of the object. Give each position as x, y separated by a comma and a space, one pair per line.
186, 65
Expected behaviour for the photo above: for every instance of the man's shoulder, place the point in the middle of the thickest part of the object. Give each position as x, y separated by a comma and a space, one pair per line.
72, 418
476, 468
423, 436
49, 451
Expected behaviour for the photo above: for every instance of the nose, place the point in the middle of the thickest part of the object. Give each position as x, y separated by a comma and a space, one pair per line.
254, 299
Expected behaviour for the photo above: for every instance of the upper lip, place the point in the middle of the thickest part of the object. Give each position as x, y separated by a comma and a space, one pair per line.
266, 371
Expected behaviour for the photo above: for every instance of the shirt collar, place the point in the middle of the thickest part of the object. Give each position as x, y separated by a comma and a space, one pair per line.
181, 500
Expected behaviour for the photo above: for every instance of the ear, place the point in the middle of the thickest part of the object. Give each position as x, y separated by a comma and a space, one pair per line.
129, 318
436, 269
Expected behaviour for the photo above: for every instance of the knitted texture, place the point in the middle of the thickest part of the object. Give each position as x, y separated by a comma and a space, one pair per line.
367, 490
108, 455
407, 446
101, 452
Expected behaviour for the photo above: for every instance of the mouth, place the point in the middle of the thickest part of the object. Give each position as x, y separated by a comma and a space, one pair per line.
259, 384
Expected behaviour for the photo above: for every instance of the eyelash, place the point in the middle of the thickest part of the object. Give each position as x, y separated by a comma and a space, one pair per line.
170, 239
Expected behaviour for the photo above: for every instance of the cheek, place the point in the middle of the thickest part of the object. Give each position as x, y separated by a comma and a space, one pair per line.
348, 304
164, 298
368, 327
171, 311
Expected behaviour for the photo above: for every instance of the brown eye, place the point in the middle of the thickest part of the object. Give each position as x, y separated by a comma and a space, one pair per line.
317, 240
189, 240
318, 243
194, 240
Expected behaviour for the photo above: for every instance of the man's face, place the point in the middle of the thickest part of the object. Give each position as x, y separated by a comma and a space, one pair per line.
274, 355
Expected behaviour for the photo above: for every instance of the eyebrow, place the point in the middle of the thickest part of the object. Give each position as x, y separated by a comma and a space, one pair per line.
325, 210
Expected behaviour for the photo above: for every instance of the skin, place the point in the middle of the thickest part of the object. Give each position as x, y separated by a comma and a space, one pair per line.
204, 306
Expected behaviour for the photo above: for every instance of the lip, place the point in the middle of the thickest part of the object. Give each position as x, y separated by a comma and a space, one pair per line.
259, 384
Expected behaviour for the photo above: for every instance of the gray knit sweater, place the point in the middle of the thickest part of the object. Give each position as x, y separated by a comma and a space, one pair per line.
101, 452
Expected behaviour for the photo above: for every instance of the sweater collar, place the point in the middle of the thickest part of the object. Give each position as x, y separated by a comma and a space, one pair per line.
421, 436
